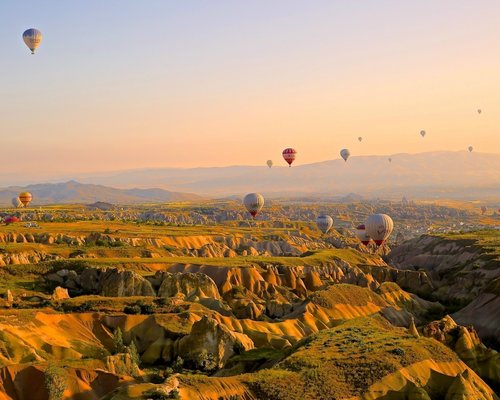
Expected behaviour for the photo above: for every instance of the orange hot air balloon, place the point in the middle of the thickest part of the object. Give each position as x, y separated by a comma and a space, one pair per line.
289, 155
25, 198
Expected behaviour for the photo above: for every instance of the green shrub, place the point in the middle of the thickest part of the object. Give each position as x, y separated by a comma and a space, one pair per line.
55, 382
132, 310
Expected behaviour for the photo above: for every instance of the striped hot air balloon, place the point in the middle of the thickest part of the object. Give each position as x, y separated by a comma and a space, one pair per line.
25, 198
32, 37
289, 155
379, 227
253, 203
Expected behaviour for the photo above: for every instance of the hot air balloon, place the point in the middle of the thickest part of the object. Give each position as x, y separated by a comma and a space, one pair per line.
479, 111
362, 235
16, 202
389, 159
379, 227
471, 148
483, 210
422, 133
10, 220
253, 203
289, 155
345, 153
25, 198
324, 222
32, 37
269, 163
360, 138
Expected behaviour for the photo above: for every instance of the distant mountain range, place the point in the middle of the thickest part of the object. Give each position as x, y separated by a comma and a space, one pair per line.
460, 175
424, 175
73, 192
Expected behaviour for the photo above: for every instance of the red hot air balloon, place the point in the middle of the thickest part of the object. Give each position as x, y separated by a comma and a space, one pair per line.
289, 155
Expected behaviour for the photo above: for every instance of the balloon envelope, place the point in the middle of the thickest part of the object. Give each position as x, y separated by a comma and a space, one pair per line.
16, 202
471, 148
324, 223
390, 159
25, 198
269, 163
289, 155
422, 133
360, 138
345, 153
32, 37
361, 234
379, 227
253, 203
479, 111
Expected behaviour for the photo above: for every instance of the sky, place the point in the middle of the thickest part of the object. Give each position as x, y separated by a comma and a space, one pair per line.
144, 84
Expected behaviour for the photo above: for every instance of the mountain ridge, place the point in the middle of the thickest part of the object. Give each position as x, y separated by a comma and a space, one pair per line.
432, 174
72, 192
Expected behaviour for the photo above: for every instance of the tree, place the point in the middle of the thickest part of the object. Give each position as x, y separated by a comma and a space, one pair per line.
55, 382
118, 346
134, 354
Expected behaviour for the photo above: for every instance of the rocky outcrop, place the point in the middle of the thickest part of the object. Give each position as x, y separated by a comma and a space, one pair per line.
210, 344
120, 283
112, 282
483, 313
26, 257
460, 269
466, 343
190, 286
60, 293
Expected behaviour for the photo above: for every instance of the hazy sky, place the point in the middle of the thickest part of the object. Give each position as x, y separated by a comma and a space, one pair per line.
133, 84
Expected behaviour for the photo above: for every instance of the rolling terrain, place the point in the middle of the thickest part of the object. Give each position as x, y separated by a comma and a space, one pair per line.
134, 304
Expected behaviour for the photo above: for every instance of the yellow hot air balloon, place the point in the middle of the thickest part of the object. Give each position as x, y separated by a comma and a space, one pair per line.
25, 198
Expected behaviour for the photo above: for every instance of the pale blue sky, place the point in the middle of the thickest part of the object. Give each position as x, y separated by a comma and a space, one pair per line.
131, 84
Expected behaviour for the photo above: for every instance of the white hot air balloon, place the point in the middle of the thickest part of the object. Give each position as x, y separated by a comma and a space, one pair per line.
362, 235
345, 153
324, 223
470, 149
253, 203
269, 163
379, 227
16, 202
422, 133
32, 37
